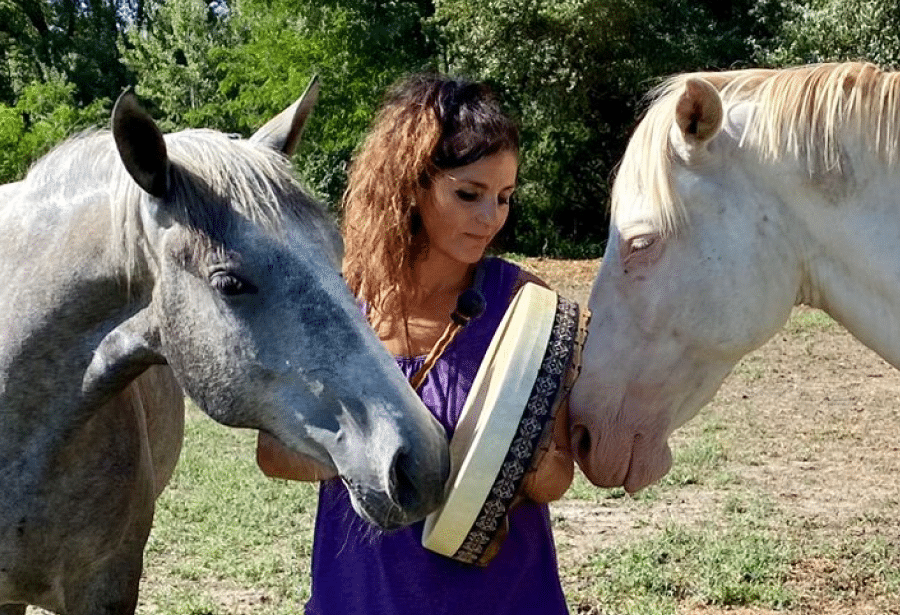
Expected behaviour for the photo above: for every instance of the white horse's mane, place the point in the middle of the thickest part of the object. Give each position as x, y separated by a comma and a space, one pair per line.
209, 170
800, 113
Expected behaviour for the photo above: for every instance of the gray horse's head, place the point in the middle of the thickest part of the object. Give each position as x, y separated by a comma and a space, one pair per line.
245, 301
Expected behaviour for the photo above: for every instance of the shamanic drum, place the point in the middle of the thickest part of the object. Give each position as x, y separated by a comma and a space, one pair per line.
508, 417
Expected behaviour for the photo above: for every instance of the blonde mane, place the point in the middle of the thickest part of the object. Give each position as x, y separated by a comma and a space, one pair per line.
802, 113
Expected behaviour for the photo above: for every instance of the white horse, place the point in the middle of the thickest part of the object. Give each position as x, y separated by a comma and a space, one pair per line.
132, 263
739, 195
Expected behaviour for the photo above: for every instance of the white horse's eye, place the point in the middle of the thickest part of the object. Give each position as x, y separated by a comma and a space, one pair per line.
641, 242
641, 251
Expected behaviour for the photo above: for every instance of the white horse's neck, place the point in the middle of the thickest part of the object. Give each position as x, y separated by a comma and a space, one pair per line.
846, 231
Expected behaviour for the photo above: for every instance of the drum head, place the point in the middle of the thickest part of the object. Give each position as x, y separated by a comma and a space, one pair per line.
512, 402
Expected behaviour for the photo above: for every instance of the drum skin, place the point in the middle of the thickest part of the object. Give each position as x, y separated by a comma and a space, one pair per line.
508, 418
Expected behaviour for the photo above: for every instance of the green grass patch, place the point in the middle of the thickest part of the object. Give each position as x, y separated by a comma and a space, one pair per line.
733, 563
227, 539
808, 320
223, 528
699, 459
862, 565
751, 368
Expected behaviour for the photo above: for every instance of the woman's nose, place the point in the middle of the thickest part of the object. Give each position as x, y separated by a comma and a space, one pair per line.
489, 211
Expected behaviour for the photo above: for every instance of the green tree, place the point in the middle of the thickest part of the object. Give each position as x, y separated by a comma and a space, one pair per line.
831, 31
50, 40
172, 54
44, 115
575, 73
60, 69
356, 47
234, 69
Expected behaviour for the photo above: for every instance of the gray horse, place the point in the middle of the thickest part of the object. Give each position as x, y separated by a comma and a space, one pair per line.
136, 266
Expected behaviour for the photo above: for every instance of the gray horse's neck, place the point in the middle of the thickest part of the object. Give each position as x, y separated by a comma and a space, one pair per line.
62, 295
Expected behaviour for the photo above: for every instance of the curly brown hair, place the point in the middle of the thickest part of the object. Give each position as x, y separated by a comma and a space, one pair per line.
428, 123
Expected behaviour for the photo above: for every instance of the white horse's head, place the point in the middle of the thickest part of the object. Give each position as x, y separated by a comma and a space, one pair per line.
697, 272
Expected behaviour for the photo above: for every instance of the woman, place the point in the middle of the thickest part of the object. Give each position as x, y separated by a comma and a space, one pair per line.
428, 191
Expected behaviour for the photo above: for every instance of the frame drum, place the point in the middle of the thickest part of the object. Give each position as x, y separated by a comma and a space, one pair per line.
507, 417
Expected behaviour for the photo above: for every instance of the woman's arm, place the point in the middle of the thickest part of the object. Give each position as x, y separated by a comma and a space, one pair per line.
555, 469
276, 461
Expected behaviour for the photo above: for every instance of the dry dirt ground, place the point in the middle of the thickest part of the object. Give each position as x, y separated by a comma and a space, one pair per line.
812, 424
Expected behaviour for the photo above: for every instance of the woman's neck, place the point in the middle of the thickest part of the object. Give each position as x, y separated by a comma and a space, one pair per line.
438, 284
437, 277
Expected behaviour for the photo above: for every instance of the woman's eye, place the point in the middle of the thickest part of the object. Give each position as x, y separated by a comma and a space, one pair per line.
467, 196
230, 285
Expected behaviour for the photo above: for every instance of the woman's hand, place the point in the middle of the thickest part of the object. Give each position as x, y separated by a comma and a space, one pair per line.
276, 461
554, 472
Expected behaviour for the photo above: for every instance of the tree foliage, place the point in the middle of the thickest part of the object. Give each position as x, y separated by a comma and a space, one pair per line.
172, 54
576, 71
356, 47
44, 40
833, 30
573, 72
44, 115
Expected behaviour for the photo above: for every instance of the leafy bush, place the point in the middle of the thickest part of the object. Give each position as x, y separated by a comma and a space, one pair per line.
45, 114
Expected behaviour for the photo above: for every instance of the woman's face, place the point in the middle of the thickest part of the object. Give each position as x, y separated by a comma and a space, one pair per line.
464, 208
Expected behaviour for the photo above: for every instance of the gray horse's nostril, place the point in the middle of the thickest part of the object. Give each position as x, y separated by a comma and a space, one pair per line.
403, 486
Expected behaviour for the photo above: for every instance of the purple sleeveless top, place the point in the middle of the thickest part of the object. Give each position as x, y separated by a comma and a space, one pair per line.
359, 570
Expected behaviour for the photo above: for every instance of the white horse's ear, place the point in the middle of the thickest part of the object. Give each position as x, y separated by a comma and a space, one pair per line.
141, 145
699, 112
282, 132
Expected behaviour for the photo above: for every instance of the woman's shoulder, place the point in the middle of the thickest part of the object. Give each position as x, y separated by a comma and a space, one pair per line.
525, 277
508, 270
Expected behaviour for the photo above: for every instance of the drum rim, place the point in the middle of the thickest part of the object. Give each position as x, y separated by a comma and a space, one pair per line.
543, 402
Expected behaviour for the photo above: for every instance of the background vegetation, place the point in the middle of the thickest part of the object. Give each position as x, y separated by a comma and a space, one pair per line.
572, 71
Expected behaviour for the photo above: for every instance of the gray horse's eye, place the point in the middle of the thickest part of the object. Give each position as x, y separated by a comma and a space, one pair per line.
230, 285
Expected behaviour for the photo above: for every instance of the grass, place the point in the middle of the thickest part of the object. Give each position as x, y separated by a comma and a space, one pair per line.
224, 529
805, 321
226, 539
732, 557
735, 564
727, 556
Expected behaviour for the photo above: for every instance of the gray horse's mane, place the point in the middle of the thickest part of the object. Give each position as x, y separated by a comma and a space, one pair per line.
800, 113
213, 177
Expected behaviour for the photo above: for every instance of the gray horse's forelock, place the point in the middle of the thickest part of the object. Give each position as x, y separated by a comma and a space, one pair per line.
255, 181
212, 178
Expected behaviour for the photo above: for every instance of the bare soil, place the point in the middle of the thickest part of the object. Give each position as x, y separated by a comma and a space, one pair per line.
811, 424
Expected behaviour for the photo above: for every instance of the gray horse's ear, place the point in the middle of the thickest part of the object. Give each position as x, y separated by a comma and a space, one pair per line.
141, 145
282, 132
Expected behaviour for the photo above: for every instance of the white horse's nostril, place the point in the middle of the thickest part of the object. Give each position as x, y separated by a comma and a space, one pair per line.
581, 442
